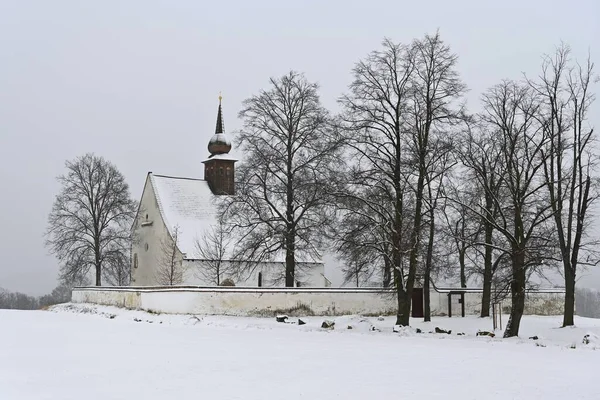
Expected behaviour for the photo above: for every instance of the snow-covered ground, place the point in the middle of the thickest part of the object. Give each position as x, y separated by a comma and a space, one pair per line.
89, 352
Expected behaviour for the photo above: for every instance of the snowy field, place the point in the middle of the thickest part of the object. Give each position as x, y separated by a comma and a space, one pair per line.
89, 352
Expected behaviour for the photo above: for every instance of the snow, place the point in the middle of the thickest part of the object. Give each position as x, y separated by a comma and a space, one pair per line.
93, 352
190, 205
220, 138
221, 157
187, 203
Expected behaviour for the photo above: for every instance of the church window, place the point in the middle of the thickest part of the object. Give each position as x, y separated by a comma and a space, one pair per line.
135, 260
146, 217
228, 171
260, 279
221, 171
146, 247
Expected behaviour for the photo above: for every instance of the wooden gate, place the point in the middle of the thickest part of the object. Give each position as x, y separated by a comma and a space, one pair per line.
417, 303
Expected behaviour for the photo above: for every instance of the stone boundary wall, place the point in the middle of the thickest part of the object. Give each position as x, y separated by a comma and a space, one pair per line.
587, 302
240, 301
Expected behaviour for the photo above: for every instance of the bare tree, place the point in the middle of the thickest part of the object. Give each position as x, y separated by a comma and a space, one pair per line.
89, 225
211, 252
169, 265
283, 188
569, 162
436, 89
460, 225
117, 268
401, 97
441, 161
510, 111
375, 199
358, 266
482, 155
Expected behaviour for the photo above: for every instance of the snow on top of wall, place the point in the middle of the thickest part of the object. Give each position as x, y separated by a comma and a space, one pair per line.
188, 204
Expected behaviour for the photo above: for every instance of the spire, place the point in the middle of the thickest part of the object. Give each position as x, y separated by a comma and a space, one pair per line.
219, 143
219, 128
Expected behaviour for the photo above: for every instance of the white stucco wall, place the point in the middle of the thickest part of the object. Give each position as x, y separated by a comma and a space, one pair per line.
150, 231
538, 303
268, 301
240, 301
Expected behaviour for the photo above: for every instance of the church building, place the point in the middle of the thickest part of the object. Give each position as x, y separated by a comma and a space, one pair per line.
177, 216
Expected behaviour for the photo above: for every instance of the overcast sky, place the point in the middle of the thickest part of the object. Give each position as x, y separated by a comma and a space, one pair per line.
137, 81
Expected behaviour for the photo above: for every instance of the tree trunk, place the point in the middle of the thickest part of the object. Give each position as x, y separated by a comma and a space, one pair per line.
426, 299
387, 273
98, 275
569, 311
289, 262
517, 288
414, 249
428, 266
487, 273
463, 275
403, 315
486, 298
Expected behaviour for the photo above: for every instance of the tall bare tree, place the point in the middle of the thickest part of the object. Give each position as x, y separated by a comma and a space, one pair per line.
283, 187
375, 200
358, 267
481, 153
569, 162
89, 225
441, 162
437, 88
511, 109
169, 270
211, 251
400, 99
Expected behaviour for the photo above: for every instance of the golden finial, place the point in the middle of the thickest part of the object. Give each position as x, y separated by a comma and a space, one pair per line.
220, 97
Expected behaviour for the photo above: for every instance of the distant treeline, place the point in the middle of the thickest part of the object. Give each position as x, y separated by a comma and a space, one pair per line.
22, 301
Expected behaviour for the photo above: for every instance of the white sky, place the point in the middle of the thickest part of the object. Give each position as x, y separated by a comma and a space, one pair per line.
137, 81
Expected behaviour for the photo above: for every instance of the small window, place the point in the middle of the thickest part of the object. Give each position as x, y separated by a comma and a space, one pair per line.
228, 171
135, 260
221, 171
146, 217
146, 246
260, 279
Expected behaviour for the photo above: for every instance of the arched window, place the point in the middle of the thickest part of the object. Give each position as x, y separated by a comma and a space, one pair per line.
228, 171
221, 171
260, 279
135, 260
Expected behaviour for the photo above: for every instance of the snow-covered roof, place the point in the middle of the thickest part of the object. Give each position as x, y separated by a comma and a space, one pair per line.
221, 157
188, 204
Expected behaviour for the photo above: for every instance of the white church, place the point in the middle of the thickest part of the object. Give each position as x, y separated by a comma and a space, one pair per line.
178, 213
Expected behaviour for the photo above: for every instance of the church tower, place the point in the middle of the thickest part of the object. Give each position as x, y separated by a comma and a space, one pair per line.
219, 169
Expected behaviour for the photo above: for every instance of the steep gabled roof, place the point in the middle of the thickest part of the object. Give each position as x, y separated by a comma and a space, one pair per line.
187, 203
190, 205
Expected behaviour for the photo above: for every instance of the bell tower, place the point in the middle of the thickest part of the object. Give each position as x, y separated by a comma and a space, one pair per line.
219, 170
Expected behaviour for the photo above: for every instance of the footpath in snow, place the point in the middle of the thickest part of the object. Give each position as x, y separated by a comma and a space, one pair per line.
91, 352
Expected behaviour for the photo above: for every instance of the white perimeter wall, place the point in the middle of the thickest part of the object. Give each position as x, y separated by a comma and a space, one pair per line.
251, 301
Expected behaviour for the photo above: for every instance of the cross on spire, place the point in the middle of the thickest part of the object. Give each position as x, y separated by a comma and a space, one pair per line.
219, 128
